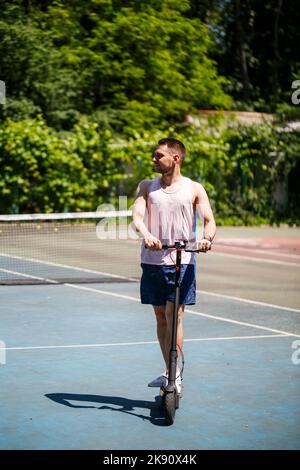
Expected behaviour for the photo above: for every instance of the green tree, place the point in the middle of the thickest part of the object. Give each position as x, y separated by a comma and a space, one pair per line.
131, 65
255, 47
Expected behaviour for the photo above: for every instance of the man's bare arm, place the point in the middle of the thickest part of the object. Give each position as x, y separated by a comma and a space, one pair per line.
139, 207
206, 215
138, 213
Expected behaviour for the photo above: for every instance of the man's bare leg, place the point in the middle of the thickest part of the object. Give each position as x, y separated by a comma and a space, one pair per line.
160, 313
169, 319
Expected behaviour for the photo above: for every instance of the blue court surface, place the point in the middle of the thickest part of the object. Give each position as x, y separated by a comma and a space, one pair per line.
77, 358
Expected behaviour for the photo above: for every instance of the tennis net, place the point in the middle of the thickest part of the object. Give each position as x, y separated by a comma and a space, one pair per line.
84, 247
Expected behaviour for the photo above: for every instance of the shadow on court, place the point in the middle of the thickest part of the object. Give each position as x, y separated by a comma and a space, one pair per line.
126, 405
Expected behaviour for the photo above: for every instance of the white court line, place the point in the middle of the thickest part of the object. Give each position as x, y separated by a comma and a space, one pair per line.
221, 338
259, 251
214, 317
253, 250
241, 299
252, 258
252, 325
228, 320
65, 266
28, 275
92, 289
138, 343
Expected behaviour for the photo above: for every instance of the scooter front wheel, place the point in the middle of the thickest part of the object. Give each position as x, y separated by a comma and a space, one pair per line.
170, 406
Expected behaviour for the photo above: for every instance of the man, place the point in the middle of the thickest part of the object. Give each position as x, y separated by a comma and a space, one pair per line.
169, 203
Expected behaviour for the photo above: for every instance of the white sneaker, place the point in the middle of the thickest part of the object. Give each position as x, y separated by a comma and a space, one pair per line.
160, 381
178, 385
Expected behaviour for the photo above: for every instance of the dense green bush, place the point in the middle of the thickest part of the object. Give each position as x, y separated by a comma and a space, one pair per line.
89, 82
240, 167
42, 170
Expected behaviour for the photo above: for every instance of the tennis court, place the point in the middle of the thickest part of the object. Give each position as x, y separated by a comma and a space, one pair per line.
78, 348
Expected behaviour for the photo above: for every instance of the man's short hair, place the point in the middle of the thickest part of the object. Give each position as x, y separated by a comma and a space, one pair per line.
175, 145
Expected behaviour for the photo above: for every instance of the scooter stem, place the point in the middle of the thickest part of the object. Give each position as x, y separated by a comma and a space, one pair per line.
173, 349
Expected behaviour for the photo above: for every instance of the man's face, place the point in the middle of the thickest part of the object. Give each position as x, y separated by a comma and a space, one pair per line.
163, 159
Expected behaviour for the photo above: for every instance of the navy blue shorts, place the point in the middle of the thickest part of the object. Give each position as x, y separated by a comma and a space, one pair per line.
158, 284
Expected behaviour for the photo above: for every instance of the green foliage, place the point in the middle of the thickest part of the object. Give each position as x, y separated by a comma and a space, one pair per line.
255, 45
89, 83
130, 65
239, 166
43, 170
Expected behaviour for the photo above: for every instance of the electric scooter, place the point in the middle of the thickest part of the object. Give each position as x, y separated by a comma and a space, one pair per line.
170, 396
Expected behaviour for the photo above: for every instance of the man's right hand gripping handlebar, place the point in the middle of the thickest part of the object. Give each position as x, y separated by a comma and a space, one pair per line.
152, 243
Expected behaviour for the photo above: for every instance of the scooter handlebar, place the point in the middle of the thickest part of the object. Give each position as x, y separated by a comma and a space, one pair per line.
183, 246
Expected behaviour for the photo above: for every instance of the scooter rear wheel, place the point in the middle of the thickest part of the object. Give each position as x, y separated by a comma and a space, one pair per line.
170, 405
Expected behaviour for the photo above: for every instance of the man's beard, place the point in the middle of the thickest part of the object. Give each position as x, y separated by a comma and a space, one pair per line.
163, 171
157, 168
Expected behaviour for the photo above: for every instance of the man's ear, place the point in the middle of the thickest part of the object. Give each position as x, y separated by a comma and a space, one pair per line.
176, 158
